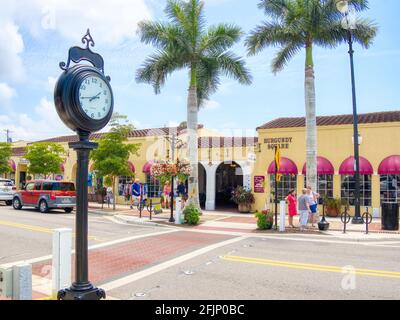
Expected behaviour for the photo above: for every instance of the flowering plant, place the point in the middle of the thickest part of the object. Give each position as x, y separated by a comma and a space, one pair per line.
164, 171
184, 169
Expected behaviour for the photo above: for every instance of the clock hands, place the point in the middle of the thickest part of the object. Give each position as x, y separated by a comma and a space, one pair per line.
95, 97
92, 98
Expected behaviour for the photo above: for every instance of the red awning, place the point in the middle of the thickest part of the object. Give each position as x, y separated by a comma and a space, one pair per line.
324, 166
12, 165
390, 165
131, 166
347, 167
147, 167
287, 167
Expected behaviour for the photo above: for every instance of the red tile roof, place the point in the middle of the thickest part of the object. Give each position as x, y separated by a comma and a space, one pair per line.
376, 117
227, 142
134, 134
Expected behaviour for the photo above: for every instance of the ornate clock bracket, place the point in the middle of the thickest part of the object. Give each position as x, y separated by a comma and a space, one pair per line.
77, 55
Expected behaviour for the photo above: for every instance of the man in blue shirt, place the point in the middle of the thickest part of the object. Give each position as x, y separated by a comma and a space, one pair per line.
135, 191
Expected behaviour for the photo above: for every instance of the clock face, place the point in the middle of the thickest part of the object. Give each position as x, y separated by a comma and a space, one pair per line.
95, 97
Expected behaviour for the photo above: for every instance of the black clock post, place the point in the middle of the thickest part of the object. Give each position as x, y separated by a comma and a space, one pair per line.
83, 115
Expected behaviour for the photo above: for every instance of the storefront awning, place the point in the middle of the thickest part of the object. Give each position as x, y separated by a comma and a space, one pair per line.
287, 166
131, 166
147, 167
390, 165
12, 165
347, 167
324, 166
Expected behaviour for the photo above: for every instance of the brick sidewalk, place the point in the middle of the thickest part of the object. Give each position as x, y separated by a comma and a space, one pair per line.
109, 263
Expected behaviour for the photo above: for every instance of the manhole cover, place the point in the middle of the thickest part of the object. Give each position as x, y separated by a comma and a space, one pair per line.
140, 294
188, 272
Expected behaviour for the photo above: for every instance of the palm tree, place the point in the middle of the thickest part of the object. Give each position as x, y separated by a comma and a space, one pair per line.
300, 24
184, 43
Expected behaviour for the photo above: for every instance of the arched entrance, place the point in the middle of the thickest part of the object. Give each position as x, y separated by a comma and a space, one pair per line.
202, 186
228, 177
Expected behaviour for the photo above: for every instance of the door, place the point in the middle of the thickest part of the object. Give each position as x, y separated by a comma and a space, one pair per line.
36, 192
28, 193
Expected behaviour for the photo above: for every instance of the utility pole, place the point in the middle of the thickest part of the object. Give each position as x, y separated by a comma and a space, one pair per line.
8, 132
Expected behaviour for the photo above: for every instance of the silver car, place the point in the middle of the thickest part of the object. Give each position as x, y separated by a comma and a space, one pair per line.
7, 191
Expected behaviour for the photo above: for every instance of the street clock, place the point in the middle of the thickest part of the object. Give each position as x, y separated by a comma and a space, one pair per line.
83, 95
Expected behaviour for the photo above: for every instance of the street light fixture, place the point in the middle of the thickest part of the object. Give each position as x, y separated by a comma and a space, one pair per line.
349, 23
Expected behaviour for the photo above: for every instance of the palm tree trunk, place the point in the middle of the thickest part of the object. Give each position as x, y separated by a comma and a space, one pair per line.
311, 121
192, 115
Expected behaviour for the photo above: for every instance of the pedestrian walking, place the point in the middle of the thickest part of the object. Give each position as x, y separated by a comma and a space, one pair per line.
127, 192
135, 192
304, 209
167, 194
109, 196
181, 190
291, 199
313, 198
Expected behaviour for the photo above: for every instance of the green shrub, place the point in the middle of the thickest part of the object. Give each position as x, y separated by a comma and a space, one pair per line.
265, 220
192, 214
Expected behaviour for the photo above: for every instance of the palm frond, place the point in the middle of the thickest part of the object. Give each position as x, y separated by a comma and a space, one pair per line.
271, 34
220, 38
176, 13
161, 35
284, 55
275, 8
234, 67
157, 67
334, 34
208, 79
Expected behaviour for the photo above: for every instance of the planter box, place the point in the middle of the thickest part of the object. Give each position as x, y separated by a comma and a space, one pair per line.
243, 208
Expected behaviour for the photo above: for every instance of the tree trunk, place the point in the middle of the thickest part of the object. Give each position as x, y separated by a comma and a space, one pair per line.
192, 113
311, 121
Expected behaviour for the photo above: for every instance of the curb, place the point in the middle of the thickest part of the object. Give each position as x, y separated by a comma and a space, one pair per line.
139, 222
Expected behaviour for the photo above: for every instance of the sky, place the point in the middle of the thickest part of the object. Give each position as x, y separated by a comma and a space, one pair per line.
35, 36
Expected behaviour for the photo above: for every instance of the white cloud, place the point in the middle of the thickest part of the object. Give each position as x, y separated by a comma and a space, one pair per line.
11, 46
111, 22
44, 123
6, 94
211, 105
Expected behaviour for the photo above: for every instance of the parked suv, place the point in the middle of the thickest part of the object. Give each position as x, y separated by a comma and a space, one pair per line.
46, 195
7, 190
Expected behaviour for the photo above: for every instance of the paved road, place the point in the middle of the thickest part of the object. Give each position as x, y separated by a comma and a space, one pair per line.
268, 268
141, 262
27, 234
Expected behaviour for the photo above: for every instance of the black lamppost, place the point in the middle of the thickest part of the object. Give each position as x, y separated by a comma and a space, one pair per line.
349, 23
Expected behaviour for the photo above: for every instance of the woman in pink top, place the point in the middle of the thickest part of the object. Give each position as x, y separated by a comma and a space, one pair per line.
291, 199
166, 193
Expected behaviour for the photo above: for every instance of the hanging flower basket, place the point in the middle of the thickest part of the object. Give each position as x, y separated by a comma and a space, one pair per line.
164, 171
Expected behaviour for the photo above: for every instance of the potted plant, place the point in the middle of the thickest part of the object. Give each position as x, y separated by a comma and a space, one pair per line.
333, 207
244, 198
265, 220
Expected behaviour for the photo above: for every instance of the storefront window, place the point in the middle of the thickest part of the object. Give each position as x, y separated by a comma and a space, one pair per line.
390, 188
325, 185
349, 186
288, 182
122, 182
153, 187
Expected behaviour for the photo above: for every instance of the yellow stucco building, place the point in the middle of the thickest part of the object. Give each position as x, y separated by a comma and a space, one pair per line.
227, 162
379, 162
